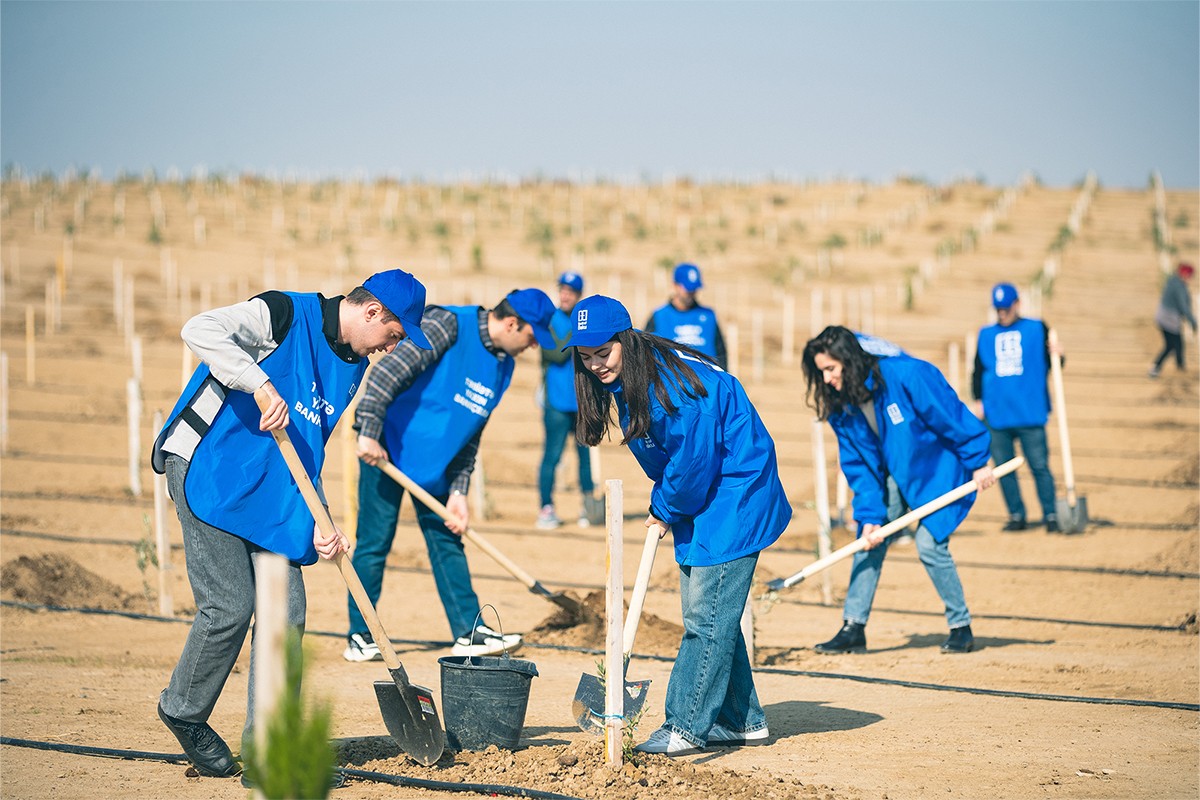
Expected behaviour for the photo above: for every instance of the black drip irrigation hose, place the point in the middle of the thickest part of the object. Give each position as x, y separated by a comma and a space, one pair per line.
429, 644
357, 774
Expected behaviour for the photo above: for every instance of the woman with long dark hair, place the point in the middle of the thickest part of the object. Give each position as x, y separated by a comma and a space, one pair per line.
716, 488
904, 438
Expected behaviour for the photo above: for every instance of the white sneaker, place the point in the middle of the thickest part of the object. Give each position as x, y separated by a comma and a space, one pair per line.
584, 522
668, 743
720, 735
547, 520
484, 641
362, 647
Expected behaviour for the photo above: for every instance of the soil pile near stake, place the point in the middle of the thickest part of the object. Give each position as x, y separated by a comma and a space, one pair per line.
579, 770
53, 579
585, 628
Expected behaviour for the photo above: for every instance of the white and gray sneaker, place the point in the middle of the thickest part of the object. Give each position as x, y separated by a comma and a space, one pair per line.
361, 647
724, 737
484, 641
668, 743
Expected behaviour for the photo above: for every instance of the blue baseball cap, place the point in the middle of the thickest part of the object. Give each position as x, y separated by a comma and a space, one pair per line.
688, 276
404, 296
1004, 295
572, 279
535, 307
596, 320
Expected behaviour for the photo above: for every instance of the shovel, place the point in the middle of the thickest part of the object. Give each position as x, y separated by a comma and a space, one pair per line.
408, 710
1072, 511
588, 705
558, 598
895, 526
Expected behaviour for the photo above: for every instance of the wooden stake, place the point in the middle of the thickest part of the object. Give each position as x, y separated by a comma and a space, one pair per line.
118, 290
478, 490
30, 371
821, 489
129, 312
614, 661
843, 495
731, 349
270, 642
788, 350
166, 593
952, 374
133, 397
350, 475
135, 350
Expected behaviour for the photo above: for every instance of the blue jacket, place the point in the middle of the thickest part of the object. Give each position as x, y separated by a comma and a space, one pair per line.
1013, 381
716, 481
928, 441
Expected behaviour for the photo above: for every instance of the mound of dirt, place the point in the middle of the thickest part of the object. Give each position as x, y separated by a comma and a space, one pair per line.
579, 770
585, 628
53, 579
1182, 556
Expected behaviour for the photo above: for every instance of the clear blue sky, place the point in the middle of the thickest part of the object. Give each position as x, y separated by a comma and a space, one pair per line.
619, 89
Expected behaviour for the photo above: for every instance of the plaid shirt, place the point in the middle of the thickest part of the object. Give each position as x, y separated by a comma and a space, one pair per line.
399, 369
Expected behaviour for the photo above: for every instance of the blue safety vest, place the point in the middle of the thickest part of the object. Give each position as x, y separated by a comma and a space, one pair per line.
238, 481
696, 327
429, 422
560, 378
1014, 374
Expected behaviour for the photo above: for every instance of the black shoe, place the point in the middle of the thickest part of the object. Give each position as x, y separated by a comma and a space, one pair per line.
961, 640
1014, 524
204, 748
852, 638
1052, 524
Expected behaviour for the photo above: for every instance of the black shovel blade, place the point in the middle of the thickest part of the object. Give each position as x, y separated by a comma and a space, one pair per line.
411, 718
588, 705
1071, 518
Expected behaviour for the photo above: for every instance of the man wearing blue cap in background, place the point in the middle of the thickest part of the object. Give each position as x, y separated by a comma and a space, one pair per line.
1011, 362
684, 320
308, 354
424, 410
559, 411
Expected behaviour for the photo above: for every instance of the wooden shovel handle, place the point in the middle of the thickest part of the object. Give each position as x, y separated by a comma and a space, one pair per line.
1060, 411
325, 522
638, 598
431, 502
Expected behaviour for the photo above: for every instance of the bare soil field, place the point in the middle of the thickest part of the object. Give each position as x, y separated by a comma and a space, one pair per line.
1085, 679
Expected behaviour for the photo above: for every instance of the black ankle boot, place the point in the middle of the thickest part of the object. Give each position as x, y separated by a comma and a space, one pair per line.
204, 748
961, 640
852, 638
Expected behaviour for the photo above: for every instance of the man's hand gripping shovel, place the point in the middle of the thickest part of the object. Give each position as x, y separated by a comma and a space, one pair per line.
588, 705
408, 710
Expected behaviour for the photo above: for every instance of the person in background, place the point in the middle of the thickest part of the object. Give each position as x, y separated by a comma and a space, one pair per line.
233, 492
1009, 379
716, 488
425, 410
1174, 308
904, 439
684, 320
559, 410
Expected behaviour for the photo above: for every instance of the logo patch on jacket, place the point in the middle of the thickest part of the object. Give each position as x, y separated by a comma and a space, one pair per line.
894, 414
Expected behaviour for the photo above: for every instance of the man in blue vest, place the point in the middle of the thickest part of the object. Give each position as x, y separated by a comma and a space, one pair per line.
232, 489
424, 410
684, 320
1011, 361
560, 409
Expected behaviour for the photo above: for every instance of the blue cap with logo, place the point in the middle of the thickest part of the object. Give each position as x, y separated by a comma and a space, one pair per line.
688, 276
404, 296
572, 279
1004, 295
597, 319
535, 307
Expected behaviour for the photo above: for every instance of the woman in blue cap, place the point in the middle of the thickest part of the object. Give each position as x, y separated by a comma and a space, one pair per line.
716, 488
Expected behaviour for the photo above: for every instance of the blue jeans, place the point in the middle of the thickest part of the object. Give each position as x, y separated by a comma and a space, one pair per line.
378, 510
712, 679
560, 425
935, 556
220, 568
1037, 455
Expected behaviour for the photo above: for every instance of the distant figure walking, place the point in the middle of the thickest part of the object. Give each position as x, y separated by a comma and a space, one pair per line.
1174, 307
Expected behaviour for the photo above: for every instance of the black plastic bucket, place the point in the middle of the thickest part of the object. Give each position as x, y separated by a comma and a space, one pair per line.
484, 699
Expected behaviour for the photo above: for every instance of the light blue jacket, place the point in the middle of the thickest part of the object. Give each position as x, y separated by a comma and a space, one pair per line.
928, 441
716, 481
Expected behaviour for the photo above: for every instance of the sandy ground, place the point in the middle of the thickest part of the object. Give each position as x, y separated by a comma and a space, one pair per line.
1085, 680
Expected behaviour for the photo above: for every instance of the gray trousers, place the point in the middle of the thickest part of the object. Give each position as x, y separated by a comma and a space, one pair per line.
220, 567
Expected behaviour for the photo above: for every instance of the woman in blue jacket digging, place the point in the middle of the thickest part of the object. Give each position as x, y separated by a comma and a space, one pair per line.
904, 438
716, 488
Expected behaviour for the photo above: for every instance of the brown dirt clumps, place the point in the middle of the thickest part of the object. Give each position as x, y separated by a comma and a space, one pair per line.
585, 628
579, 770
53, 579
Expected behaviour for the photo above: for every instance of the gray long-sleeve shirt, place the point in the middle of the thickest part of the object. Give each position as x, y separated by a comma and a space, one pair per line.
1175, 306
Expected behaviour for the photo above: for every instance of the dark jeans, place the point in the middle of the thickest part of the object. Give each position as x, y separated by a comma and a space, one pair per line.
1037, 456
1172, 343
560, 425
378, 510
